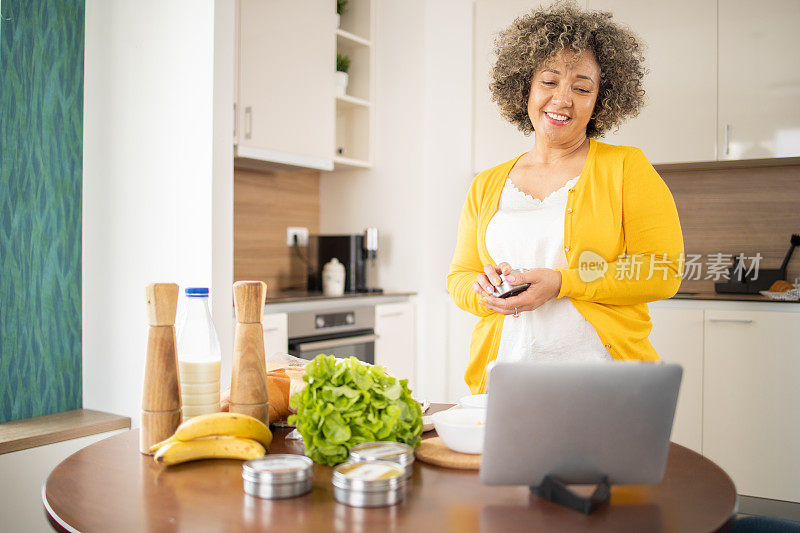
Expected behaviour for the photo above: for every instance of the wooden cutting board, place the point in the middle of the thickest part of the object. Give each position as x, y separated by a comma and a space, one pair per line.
435, 452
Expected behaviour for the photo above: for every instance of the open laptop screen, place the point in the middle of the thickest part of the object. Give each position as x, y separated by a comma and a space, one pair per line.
579, 422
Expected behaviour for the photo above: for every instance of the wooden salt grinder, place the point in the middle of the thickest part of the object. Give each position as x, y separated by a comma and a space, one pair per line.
161, 394
249, 376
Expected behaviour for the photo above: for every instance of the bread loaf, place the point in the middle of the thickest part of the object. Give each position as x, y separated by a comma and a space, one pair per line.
278, 383
781, 286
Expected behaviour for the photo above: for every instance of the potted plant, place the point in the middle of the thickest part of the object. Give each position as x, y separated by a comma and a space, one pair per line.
341, 6
342, 66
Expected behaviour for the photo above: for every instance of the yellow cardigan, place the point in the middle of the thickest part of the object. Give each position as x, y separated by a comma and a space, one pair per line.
621, 210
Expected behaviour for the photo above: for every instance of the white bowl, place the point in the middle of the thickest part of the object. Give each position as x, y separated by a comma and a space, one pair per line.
461, 429
474, 401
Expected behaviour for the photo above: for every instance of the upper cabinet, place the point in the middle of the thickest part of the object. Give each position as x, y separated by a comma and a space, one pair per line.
286, 90
723, 83
678, 123
759, 79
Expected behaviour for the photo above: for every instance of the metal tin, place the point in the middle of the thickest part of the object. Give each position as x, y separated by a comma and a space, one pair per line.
369, 483
278, 476
395, 452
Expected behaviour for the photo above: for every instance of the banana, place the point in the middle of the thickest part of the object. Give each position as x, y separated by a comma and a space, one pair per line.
230, 424
216, 447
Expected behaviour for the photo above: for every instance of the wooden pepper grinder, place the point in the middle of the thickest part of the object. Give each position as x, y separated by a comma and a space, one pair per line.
249, 376
161, 394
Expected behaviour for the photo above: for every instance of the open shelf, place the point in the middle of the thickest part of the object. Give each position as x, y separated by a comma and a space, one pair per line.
347, 162
351, 102
357, 19
351, 38
353, 133
354, 114
360, 68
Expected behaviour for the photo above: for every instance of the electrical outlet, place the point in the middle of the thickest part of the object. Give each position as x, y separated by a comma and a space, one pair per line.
301, 233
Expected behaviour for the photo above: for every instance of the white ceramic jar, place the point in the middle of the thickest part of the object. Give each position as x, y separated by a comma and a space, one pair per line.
333, 275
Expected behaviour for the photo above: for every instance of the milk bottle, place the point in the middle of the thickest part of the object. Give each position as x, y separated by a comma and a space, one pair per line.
199, 357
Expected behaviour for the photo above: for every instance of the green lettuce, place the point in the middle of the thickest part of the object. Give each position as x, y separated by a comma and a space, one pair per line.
347, 403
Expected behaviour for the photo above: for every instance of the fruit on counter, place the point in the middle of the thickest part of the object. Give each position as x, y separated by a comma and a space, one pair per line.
216, 447
347, 403
781, 286
220, 424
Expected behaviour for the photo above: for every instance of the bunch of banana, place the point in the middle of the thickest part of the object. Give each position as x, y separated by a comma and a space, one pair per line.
215, 436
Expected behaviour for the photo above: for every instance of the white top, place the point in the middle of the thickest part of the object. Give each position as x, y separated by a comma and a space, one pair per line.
528, 233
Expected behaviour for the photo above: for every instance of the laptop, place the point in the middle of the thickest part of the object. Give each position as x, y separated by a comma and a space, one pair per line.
579, 422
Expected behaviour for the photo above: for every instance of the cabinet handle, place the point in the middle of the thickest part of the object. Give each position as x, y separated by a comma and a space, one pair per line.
737, 320
387, 315
267, 330
248, 124
726, 133
235, 120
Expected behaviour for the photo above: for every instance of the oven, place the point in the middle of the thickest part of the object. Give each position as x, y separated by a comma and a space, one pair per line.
339, 332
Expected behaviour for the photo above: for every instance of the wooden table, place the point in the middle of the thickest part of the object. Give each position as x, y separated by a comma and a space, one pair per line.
110, 486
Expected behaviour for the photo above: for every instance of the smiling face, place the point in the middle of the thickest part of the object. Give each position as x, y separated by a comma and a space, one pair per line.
562, 98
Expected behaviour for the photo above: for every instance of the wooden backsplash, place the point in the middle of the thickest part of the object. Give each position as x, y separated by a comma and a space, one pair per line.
738, 210
264, 205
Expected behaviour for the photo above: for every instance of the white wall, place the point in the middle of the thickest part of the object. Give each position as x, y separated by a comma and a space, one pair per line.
387, 196
421, 172
447, 176
157, 193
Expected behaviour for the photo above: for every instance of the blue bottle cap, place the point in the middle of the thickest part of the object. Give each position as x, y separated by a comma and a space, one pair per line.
196, 292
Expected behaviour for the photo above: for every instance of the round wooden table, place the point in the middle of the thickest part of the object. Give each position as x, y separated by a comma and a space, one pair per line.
110, 486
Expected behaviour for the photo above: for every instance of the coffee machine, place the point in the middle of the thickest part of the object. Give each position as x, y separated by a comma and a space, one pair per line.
358, 254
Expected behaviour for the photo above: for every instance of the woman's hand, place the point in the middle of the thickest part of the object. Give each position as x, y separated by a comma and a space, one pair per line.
545, 285
485, 283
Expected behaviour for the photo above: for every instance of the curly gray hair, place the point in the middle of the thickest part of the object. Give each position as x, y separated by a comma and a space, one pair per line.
533, 40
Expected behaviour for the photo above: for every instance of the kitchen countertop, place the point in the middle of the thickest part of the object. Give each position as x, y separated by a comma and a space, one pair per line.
694, 295
300, 301
307, 296
304, 296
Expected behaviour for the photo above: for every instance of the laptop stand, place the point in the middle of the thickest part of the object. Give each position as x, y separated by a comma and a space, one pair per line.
556, 491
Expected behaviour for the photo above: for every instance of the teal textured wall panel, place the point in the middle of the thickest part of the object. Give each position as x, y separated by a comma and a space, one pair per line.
41, 150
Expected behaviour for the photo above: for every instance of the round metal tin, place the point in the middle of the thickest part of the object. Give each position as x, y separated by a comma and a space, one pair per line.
395, 452
278, 476
369, 483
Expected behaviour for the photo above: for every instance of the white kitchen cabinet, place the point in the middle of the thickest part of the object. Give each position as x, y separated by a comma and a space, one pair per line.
678, 123
276, 333
759, 79
677, 336
395, 346
286, 104
751, 420
728, 88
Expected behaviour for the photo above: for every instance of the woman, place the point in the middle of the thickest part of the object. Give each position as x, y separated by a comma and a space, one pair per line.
593, 224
